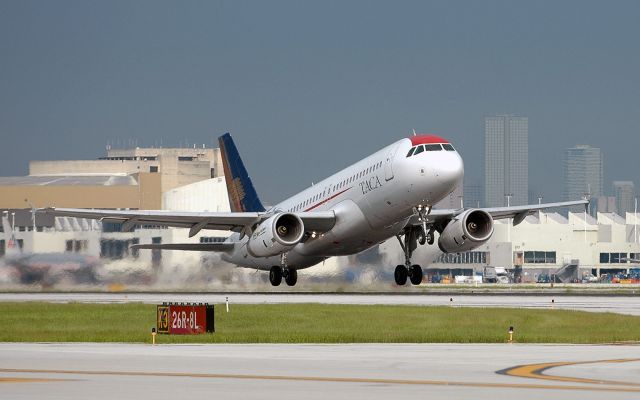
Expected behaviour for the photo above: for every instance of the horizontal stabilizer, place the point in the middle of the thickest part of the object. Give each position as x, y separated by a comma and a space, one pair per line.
225, 246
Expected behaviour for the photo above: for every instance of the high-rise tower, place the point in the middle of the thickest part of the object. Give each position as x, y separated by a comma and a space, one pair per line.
506, 160
583, 173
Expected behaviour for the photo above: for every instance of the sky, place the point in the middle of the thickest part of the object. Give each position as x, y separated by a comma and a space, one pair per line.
307, 88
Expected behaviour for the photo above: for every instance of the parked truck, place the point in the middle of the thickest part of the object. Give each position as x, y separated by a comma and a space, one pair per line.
496, 275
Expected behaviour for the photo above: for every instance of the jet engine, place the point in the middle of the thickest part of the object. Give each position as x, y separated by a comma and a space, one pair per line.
466, 231
276, 235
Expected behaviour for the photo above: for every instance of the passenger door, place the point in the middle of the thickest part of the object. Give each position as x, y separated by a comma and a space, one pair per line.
388, 163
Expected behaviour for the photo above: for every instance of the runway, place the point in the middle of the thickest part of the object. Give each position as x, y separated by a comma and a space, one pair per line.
617, 304
371, 371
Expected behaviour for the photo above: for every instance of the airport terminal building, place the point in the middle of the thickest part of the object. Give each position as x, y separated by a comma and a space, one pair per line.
546, 242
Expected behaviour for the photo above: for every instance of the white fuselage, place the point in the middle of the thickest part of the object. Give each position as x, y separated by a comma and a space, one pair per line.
372, 199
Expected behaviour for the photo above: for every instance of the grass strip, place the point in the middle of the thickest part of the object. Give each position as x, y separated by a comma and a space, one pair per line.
316, 323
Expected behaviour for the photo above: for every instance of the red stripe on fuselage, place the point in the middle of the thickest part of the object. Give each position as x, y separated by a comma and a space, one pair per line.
426, 139
324, 201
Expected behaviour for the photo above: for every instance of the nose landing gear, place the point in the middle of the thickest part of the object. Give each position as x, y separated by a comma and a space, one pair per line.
413, 235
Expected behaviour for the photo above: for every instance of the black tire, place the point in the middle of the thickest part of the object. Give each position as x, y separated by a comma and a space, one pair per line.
430, 238
415, 274
275, 276
422, 238
292, 277
400, 275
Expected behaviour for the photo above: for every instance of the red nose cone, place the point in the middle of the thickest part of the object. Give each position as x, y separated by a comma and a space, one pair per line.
426, 139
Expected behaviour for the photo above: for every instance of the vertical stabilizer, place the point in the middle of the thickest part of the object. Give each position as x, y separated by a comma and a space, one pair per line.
242, 194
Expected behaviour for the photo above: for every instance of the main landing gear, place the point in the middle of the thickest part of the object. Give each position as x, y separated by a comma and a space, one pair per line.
412, 236
276, 273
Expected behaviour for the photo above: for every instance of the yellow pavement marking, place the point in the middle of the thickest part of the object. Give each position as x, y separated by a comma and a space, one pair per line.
328, 379
23, 380
536, 371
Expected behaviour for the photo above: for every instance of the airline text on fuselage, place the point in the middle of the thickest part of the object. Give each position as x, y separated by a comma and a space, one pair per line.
370, 184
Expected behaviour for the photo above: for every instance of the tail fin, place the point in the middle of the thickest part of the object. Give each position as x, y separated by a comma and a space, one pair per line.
242, 194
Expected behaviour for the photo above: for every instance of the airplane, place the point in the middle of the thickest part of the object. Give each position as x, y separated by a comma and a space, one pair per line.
385, 195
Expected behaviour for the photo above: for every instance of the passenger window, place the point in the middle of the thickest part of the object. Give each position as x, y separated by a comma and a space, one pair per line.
448, 147
433, 147
419, 150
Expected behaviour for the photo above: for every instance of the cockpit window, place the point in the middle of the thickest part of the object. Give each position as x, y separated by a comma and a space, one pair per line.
419, 150
448, 147
411, 150
432, 147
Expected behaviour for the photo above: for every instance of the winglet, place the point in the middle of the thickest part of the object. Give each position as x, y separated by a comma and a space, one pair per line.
242, 194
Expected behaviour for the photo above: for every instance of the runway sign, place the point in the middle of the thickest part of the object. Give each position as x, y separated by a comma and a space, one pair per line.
185, 318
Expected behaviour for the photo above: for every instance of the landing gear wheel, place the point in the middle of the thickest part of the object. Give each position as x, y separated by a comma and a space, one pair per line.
275, 276
291, 277
415, 274
422, 238
400, 275
430, 238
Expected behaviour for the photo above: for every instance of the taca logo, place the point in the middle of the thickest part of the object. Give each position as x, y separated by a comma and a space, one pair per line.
370, 184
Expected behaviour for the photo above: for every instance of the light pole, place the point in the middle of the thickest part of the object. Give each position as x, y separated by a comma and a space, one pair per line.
508, 196
635, 219
587, 196
539, 211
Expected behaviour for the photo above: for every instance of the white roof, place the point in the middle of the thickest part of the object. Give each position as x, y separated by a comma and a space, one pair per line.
69, 180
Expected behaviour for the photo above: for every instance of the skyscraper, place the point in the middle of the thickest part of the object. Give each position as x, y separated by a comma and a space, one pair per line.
506, 160
473, 194
625, 194
582, 170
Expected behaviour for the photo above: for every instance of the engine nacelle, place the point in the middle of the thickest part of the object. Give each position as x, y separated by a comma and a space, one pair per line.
276, 235
466, 232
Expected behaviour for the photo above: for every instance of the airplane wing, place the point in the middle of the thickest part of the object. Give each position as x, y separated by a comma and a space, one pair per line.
223, 246
320, 221
518, 213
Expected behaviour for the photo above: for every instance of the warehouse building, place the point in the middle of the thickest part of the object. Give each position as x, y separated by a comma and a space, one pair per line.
123, 179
